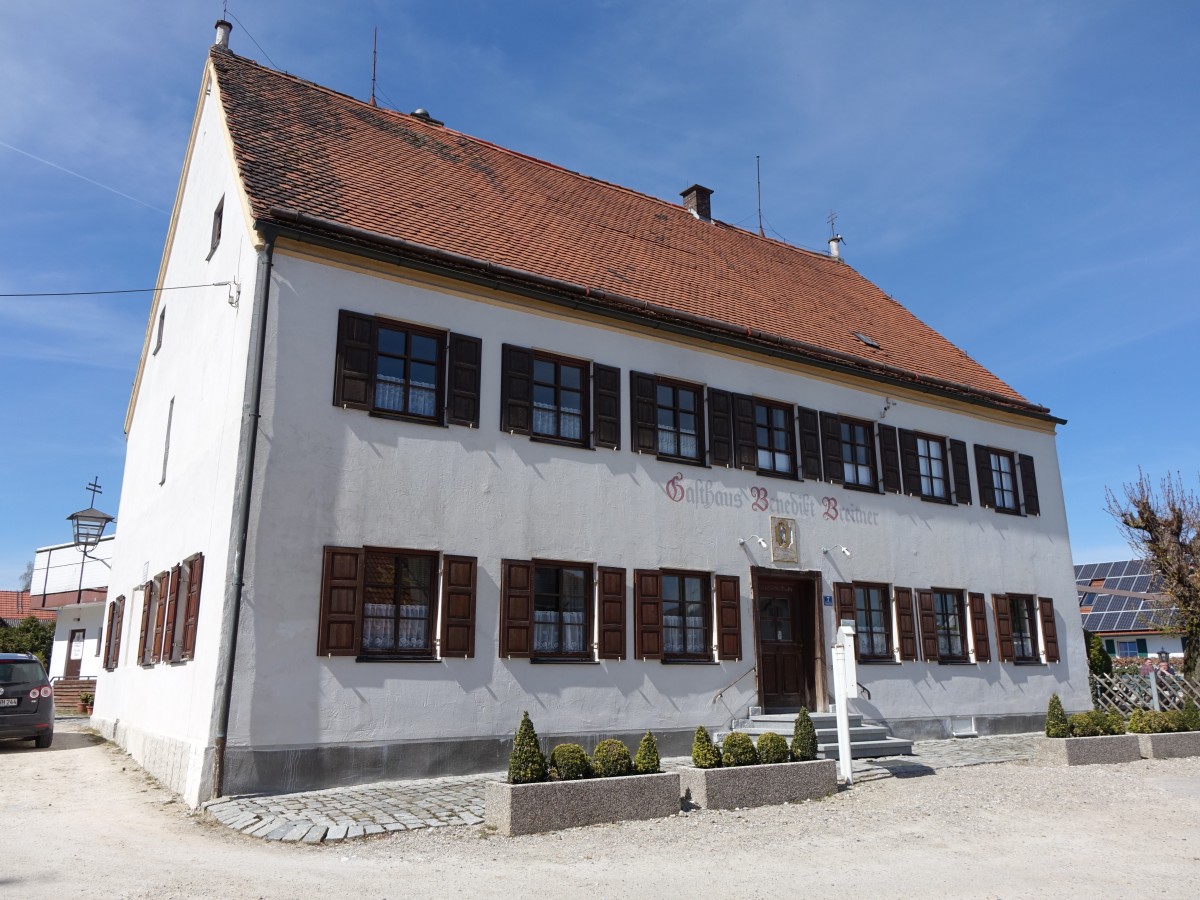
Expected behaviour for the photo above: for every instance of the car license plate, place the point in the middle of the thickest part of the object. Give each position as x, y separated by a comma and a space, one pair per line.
9, 701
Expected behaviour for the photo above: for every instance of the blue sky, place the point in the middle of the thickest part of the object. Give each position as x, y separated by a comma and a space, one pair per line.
1023, 176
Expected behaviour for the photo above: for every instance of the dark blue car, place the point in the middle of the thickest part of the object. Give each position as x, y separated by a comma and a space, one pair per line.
26, 700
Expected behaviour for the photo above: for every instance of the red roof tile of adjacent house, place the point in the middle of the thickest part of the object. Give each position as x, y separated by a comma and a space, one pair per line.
17, 605
303, 148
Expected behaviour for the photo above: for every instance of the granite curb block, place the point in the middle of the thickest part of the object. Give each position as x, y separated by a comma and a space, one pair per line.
1170, 745
515, 809
1085, 751
763, 785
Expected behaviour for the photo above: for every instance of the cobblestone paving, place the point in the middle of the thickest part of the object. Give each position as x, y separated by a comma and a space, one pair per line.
342, 813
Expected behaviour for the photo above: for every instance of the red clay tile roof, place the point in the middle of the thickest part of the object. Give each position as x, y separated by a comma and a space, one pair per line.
307, 149
17, 605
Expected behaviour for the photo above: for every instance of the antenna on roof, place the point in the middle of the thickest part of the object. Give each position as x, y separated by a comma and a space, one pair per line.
758, 178
835, 239
374, 55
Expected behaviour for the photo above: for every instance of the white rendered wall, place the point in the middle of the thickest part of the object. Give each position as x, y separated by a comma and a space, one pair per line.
331, 476
90, 618
56, 569
164, 712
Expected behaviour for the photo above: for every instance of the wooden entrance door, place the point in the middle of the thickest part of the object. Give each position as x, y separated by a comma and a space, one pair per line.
786, 642
75, 653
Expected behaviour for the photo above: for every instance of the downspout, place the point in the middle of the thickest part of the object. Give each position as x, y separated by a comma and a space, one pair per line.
243, 491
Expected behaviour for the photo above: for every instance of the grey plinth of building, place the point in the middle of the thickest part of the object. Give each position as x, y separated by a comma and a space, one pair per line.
763, 785
514, 809
1086, 751
1170, 746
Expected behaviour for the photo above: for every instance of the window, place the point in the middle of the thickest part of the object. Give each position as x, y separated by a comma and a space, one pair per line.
380, 603
950, 622
561, 610
667, 418
686, 603
1007, 481
160, 639
555, 398
931, 460
773, 441
873, 621
1128, 649
558, 399
1004, 487
167, 441
162, 321
858, 454
218, 216
673, 616
398, 370
1024, 629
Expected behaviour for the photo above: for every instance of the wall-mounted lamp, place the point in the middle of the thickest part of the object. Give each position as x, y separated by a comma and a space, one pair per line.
753, 537
888, 403
828, 550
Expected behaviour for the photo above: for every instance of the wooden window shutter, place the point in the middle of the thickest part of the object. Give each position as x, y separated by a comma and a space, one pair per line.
720, 427
458, 606
979, 625
161, 583
1029, 491
147, 601
929, 641
606, 406
831, 445
889, 459
612, 612
464, 364
910, 463
168, 641
843, 598
983, 475
115, 634
729, 617
1049, 628
643, 412
1142, 648
516, 389
516, 608
647, 606
352, 374
810, 442
906, 625
191, 615
111, 643
743, 432
1002, 608
339, 626
961, 472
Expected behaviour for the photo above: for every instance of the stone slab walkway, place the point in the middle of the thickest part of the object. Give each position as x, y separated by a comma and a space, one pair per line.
342, 813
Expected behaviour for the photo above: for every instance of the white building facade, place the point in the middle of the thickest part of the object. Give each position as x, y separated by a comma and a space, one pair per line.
382, 496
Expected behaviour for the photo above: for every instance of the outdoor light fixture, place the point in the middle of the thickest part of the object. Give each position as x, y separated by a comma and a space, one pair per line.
1163, 655
89, 524
828, 550
753, 537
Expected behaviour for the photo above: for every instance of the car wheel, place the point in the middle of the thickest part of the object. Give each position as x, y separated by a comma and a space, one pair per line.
42, 741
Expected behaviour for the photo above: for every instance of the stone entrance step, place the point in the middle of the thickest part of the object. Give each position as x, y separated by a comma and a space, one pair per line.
867, 741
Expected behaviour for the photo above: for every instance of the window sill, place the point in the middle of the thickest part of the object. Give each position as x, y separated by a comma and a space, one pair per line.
563, 661
768, 473
679, 460
955, 662
864, 488
404, 417
944, 501
689, 662
560, 442
881, 662
1028, 662
396, 659
1004, 511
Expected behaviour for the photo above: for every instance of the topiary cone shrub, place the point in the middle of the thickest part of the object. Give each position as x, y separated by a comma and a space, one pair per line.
1056, 719
738, 750
646, 761
804, 738
705, 754
570, 762
526, 763
611, 759
773, 749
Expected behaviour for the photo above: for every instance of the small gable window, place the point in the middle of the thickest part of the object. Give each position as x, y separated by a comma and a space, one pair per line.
218, 216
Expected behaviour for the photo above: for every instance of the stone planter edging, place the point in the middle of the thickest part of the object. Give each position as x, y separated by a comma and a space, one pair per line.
1170, 745
514, 809
1085, 751
761, 785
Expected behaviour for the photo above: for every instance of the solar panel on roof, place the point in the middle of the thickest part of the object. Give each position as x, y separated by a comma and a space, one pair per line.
1141, 584
1127, 621
1084, 572
1102, 570
1091, 621
1099, 603
1138, 567
1110, 621
1126, 567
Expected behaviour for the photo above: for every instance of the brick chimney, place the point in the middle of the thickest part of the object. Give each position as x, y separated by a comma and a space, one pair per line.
697, 201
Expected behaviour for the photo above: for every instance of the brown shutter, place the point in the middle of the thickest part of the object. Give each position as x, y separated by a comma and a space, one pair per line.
516, 608
743, 432
161, 583
843, 598
108, 642
983, 475
464, 364
1049, 628
339, 626
643, 409
720, 427
612, 613
831, 445
516, 389
979, 625
458, 606
147, 601
1002, 607
606, 406
168, 641
929, 642
116, 633
889, 459
810, 442
352, 373
1029, 486
906, 625
647, 606
910, 463
729, 617
961, 471
191, 616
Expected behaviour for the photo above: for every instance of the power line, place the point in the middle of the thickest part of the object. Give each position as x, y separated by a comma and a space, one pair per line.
274, 64
178, 287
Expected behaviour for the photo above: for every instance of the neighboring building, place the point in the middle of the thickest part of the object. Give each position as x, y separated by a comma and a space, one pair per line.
460, 433
18, 605
1120, 602
63, 575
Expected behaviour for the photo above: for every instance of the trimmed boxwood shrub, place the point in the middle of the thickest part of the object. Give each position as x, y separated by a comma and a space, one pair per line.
773, 749
646, 761
526, 763
1095, 724
705, 754
738, 750
1190, 715
1056, 719
611, 759
1149, 721
570, 762
804, 738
